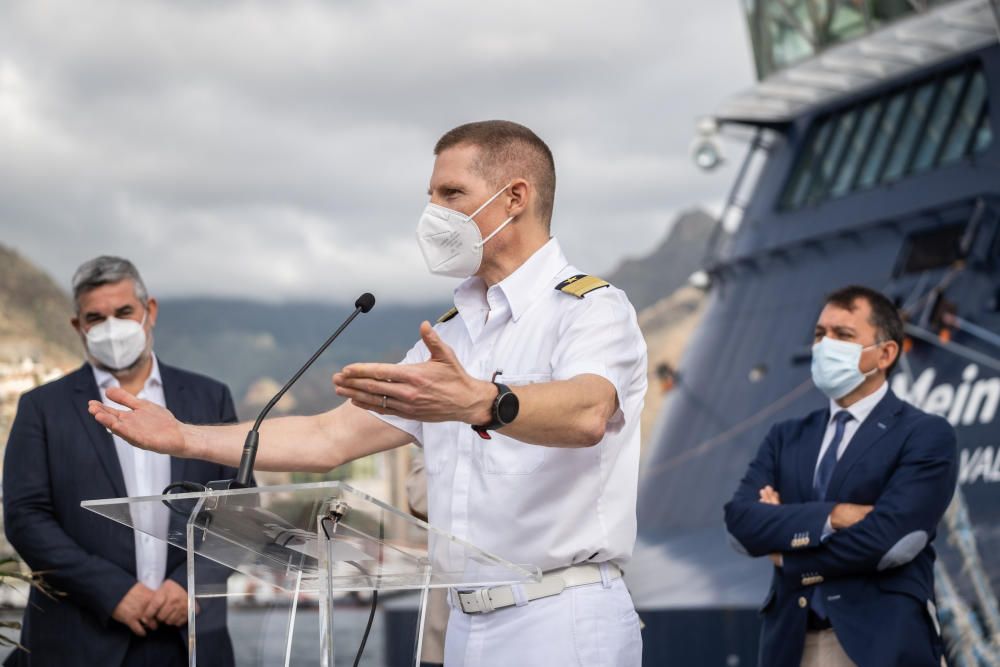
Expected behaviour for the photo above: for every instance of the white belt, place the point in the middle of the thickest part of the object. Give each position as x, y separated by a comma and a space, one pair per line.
554, 582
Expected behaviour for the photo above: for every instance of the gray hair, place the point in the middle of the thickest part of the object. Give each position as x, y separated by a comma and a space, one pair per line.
106, 270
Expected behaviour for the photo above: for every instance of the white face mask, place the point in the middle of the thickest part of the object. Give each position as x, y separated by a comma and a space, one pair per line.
117, 343
451, 242
835, 369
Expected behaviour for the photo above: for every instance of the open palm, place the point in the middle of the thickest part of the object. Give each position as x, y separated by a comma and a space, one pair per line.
146, 425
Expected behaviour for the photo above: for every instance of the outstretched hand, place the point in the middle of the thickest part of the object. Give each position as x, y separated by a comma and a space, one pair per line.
436, 390
146, 425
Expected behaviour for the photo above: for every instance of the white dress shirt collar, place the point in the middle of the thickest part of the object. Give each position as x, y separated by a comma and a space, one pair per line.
519, 290
105, 379
862, 408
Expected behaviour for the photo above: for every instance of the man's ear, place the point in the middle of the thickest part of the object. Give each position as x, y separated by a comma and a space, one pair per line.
890, 353
521, 193
152, 308
75, 323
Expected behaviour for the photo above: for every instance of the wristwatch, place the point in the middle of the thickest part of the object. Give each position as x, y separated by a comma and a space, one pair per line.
505, 407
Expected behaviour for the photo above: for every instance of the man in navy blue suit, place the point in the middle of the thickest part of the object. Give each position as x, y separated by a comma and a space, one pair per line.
125, 597
846, 501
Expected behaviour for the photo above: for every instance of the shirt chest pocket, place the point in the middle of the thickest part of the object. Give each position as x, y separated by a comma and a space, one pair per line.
502, 455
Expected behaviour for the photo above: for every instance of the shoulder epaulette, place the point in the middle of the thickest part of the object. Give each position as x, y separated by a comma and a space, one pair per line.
580, 285
447, 316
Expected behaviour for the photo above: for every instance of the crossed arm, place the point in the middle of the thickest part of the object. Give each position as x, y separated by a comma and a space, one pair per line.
904, 517
866, 538
762, 525
842, 516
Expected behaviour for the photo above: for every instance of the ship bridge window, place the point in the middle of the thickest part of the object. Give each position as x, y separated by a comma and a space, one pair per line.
784, 32
920, 127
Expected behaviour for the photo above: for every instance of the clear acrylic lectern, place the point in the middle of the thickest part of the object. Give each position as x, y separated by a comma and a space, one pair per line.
307, 542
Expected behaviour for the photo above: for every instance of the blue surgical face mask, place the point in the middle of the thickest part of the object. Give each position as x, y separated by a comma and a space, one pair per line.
835, 369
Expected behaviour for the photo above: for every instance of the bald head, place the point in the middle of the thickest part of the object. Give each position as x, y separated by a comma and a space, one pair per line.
508, 151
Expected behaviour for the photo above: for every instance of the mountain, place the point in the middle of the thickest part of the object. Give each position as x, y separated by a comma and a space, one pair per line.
668, 308
255, 347
34, 315
648, 279
37, 343
666, 326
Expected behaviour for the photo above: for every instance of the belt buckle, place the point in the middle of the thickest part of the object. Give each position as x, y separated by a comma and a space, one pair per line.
476, 601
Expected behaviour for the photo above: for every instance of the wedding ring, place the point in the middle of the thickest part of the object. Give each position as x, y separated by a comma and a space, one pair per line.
384, 399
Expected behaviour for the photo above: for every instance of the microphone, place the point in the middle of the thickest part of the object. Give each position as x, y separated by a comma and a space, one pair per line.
364, 304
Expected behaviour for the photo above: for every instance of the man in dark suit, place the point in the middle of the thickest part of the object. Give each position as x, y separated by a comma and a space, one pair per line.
125, 592
846, 501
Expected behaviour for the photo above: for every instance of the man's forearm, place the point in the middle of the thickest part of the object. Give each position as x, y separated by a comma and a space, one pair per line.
286, 444
561, 413
311, 444
762, 529
569, 413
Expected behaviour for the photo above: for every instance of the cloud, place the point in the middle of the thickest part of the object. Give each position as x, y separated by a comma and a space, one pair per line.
282, 150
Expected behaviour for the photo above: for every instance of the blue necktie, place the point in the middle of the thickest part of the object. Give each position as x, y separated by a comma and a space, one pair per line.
824, 473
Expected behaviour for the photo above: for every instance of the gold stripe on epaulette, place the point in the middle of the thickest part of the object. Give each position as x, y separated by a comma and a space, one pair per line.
580, 285
447, 316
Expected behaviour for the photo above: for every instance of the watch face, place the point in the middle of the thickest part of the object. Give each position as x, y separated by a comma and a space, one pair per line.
507, 405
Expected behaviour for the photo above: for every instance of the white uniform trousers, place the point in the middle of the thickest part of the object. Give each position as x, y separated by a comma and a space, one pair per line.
585, 626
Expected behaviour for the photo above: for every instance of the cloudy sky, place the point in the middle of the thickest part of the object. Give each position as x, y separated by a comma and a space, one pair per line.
281, 150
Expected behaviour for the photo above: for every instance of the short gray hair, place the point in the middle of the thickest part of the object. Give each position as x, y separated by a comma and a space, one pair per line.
107, 270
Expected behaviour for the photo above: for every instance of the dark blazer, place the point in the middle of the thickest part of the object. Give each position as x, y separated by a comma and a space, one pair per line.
58, 456
877, 577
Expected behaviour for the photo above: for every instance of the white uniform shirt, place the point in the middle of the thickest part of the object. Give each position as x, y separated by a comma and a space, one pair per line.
544, 506
146, 474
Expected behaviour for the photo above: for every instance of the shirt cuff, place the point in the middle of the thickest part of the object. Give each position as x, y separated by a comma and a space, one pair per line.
411, 427
827, 530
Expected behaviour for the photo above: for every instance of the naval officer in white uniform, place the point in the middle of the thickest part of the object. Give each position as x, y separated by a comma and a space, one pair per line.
526, 399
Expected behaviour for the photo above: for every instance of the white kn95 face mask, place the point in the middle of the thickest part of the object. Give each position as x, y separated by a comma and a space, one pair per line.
117, 343
451, 242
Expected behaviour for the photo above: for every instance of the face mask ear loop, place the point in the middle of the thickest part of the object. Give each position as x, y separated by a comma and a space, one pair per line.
874, 370
489, 201
494, 232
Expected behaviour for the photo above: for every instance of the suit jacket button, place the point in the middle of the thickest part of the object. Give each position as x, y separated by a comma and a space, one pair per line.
803, 602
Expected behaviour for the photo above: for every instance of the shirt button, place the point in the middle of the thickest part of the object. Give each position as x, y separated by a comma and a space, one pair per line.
803, 602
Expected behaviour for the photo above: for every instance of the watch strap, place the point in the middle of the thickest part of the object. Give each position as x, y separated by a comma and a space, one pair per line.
495, 423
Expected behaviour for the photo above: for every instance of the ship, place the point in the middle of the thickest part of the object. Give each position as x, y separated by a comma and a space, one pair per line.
870, 158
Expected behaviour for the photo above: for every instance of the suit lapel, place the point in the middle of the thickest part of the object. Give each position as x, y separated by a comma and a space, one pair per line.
812, 440
174, 394
879, 422
85, 389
